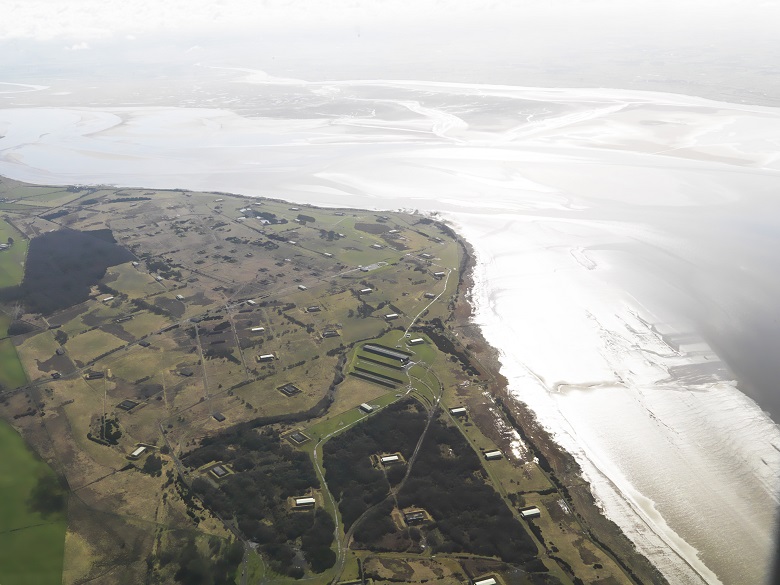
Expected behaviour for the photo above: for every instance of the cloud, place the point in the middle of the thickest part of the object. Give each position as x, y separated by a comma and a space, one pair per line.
82, 46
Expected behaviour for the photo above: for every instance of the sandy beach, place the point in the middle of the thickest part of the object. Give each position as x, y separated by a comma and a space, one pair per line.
625, 246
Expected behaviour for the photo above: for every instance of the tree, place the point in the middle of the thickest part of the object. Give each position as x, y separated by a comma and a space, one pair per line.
10, 241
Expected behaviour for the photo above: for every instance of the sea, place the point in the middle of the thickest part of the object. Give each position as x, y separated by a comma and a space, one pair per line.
627, 245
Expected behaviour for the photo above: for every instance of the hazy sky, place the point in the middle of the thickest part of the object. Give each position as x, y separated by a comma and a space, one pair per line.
724, 49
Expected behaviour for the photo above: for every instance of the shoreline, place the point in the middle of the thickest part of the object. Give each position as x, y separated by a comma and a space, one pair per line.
560, 466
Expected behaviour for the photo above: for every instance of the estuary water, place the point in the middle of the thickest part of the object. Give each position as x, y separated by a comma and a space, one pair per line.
627, 247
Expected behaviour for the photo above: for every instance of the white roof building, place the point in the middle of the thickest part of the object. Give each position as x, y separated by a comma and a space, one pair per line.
531, 512
138, 452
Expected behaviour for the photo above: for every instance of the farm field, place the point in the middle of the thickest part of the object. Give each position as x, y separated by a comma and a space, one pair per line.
217, 364
32, 516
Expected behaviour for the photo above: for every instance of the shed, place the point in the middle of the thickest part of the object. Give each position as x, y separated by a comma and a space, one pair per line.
532, 512
429, 296
365, 291
312, 309
251, 302
306, 502
493, 455
389, 459
365, 407
486, 581
138, 452
330, 333
267, 357
105, 300
377, 246
219, 471
391, 316
258, 329
127, 405
301, 287
387, 352
219, 417
459, 411
179, 297
416, 341
414, 517
440, 274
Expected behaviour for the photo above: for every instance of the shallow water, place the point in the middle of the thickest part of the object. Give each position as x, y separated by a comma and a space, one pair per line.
627, 247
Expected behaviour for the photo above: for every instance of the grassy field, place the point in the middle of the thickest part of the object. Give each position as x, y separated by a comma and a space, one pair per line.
11, 371
31, 544
11, 260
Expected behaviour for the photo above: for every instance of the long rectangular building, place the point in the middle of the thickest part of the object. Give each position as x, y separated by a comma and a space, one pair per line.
386, 352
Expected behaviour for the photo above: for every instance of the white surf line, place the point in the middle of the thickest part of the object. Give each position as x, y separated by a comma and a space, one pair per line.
25, 87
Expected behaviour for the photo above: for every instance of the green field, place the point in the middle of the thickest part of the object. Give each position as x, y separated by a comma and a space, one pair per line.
11, 370
11, 260
32, 544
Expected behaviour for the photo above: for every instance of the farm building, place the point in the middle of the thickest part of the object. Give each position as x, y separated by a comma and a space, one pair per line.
330, 333
386, 352
391, 316
187, 372
179, 297
305, 502
219, 417
426, 256
486, 581
365, 291
491, 455
440, 274
389, 459
377, 246
301, 287
105, 300
366, 407
59, 351
414, 517
251, 302
429, 296
135, 263
298, 437
289, 390
127, 405
459, 411
312, 309
266, 357
138, 452
327, 254
144, 343
258, 329
533, 512
95, 375
219, 471
416, 341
